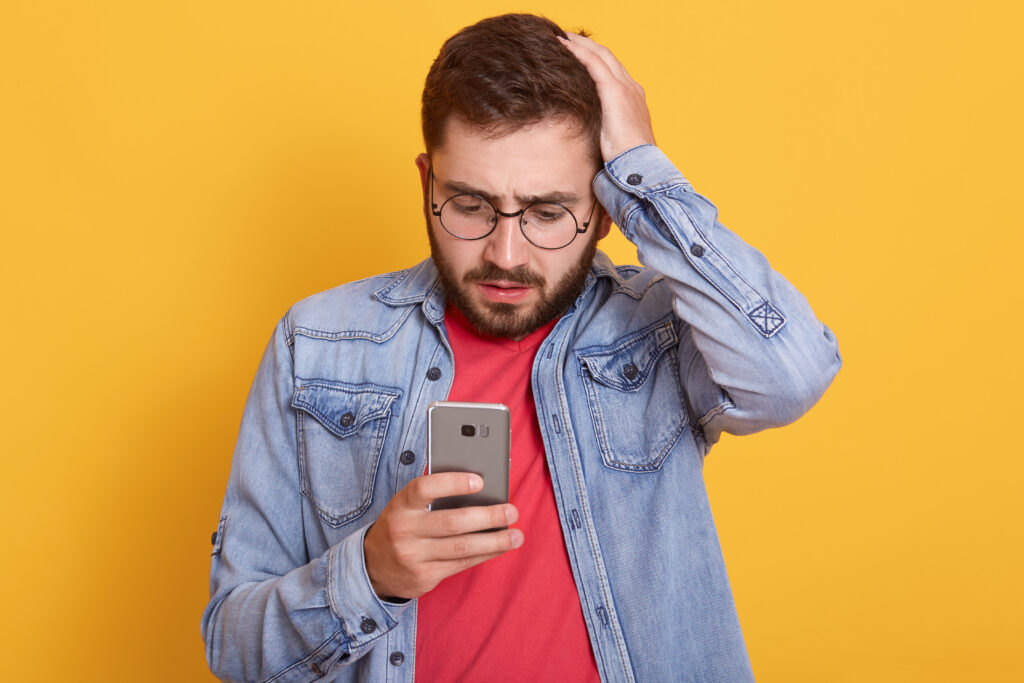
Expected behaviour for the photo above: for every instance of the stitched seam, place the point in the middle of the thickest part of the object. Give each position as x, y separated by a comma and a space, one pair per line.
597, 352
764, 315
637, 294
350, 390
623, 342
305, 660
401, 277
657, 463
715, 412
383, 417
732, 275
605, 589
708, 244
604, 441
218, 546
324, 335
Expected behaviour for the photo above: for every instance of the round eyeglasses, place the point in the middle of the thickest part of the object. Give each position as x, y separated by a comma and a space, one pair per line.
548, 225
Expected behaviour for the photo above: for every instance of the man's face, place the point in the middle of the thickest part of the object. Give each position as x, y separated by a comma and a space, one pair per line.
504, 285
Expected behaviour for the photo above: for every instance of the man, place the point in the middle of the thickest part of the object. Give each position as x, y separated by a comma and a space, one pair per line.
328, 563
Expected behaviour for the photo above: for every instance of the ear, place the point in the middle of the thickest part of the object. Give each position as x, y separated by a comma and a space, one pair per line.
423, 164
604, 226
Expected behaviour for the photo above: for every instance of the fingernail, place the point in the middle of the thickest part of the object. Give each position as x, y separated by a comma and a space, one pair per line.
510, 514
517, 537
476, 482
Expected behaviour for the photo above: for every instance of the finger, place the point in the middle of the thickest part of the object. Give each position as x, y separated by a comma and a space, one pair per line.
590, 47
470, 519
424, 490
597, 67
446, 568
472, 545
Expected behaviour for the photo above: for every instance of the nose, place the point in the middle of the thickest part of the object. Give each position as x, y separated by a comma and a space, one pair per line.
507, 247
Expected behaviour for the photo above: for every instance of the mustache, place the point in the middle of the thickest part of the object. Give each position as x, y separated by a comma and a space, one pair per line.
521, 275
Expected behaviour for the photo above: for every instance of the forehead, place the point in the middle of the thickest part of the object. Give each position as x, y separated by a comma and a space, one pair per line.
548, 155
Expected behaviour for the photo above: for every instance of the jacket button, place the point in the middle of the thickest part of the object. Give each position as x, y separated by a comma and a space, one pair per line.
407, 457
434, 374
368, 625
634, 179
347, 419
630, 371
697, 250
396, 658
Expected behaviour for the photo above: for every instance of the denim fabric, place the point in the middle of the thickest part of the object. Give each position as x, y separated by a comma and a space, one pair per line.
633, 385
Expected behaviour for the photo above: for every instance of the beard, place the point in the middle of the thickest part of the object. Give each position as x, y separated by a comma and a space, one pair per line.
512, 321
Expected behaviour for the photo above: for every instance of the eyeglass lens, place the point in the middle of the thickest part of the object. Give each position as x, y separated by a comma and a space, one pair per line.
547, 225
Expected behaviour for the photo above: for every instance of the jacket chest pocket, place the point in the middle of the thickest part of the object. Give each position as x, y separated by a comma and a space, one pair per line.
341, 428
635, 397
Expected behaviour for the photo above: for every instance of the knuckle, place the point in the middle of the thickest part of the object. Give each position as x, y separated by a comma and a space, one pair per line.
451, 524
404, 555
418, 487
418, 576
460, 547
397, 529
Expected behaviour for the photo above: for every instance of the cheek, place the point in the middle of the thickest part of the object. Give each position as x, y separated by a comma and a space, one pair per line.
460, 255
559, 263
551, 269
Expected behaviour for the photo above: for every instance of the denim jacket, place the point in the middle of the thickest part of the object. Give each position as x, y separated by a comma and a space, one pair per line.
633, 385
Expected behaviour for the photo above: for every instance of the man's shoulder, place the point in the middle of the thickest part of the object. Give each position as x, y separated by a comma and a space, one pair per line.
363, 308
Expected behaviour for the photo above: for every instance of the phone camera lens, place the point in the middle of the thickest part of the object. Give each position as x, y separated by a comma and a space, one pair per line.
468, 430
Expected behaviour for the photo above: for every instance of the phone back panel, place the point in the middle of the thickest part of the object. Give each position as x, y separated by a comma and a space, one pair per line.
470, 437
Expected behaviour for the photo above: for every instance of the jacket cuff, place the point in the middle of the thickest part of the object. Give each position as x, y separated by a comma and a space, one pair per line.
364, 616
632, 175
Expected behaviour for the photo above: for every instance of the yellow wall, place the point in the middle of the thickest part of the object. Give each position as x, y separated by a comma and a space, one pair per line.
174, 175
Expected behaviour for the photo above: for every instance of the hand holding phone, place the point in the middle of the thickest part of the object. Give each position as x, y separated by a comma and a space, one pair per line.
456, 516
411, 548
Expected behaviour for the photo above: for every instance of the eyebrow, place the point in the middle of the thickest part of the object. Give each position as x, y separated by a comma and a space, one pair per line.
566, 198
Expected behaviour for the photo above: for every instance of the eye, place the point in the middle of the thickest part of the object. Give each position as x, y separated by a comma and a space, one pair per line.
468, 205
547, 213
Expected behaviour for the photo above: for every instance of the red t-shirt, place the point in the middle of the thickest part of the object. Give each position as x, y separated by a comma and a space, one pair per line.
516, 617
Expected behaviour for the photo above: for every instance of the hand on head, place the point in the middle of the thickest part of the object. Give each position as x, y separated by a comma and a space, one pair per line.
626, 120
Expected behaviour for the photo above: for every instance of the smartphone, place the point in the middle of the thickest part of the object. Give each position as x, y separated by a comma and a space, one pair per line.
470, 437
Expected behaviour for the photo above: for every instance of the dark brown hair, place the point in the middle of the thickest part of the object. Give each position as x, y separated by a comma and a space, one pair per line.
505, 73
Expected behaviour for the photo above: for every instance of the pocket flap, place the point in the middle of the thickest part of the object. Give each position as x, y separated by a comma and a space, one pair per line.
343, 408
626, 364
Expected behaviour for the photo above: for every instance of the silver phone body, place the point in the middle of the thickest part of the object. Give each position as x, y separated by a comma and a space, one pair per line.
470, 437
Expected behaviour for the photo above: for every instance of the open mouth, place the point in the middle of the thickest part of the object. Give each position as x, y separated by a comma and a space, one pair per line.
504, 291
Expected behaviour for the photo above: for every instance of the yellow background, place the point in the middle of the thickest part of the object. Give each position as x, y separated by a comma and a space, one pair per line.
174, 175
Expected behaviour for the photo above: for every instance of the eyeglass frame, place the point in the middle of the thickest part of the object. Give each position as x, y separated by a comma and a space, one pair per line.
521, 214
